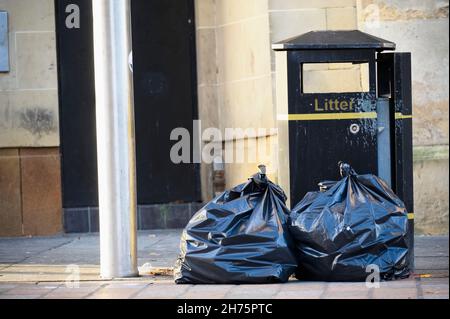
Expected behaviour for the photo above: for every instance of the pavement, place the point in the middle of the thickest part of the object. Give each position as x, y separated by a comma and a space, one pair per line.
47, 268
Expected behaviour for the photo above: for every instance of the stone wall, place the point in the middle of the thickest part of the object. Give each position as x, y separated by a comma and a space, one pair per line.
30, 192
421, 27
237, 71
294, 17
235, 83
30, 180
28, 93
236, 89
234, 40
431, 196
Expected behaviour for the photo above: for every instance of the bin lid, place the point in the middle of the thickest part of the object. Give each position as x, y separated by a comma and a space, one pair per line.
322, 40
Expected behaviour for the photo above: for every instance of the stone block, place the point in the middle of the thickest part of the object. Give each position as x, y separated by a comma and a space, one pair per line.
208, 106
76, 220
94, 221
206, 57
232, 11
287, 24
41, 191
247, 104
243, 50
177, 216
150, 217
302, 4
30, 15
36, 60
205, 13
10, 188
431, 203
29, 119
342, 18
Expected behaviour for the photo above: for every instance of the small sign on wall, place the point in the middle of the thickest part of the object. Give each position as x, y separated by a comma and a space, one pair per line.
4, 43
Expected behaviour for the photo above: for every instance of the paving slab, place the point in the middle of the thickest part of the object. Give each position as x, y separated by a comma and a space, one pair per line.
435, 246
32, 268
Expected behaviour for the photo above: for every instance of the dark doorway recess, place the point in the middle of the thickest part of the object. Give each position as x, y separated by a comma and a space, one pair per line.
165, 98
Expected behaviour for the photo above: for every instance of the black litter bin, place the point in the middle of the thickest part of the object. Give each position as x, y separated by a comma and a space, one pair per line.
370, 128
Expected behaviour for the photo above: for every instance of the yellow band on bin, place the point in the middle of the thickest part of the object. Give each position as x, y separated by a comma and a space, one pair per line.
327, 116
336, 116
400, 116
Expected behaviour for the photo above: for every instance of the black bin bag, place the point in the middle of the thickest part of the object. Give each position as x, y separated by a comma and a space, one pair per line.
240, 237
350, 230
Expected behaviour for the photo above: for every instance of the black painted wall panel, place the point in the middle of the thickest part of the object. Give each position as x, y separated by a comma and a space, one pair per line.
165, 98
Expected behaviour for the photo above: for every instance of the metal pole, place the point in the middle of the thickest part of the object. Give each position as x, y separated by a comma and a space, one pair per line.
384, 141
115, 138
